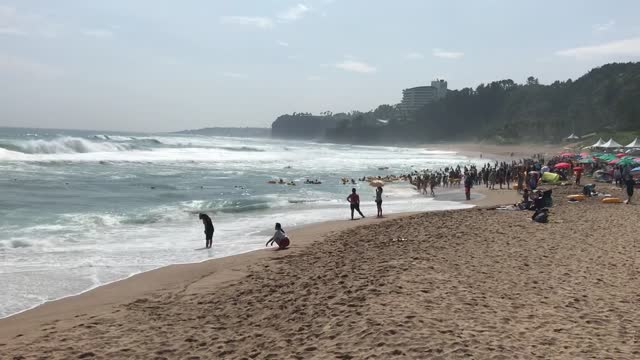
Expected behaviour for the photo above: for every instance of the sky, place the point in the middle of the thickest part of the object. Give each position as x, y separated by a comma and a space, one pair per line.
160, 65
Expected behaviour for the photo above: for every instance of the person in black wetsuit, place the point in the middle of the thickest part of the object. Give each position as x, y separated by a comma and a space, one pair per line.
208, 230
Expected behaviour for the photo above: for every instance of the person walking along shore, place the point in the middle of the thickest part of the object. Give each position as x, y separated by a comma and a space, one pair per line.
354, 201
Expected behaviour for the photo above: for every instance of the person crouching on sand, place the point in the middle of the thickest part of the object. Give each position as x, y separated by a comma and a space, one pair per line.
280, 238
354, 200
208, 230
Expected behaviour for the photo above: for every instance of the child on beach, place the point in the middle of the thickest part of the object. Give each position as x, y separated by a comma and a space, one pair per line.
354, 201
378, 201
280, 238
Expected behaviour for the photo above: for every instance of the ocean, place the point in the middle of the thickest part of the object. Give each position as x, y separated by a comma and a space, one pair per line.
79, 209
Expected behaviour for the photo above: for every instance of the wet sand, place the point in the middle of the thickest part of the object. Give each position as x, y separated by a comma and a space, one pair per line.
474, 283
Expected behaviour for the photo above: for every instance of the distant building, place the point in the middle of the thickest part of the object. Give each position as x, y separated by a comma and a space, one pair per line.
417, 97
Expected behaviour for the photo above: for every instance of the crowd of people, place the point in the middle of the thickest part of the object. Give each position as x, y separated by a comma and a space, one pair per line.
523, 175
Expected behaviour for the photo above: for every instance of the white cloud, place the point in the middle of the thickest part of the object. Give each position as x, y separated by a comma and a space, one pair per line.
414, 56
283, 43
314, 78
98, 33
234, 75
441, 53
355, 66
17, 65
624, 48
599, 28
257, 21
294, 13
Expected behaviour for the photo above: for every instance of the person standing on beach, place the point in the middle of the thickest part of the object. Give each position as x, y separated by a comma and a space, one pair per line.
378, 201
208, 230
578, 172
354, 201
627, 178
468, 184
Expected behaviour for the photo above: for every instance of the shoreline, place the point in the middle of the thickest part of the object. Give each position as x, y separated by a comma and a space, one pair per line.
471, 283
226, 269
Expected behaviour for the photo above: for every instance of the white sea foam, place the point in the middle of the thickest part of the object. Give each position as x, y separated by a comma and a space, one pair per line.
130, 203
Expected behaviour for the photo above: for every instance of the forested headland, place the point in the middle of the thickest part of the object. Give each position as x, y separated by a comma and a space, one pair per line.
607, 98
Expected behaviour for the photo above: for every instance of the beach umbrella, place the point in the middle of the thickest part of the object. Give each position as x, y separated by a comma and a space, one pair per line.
577, 168
567, 154
586, 161
584, 154
562, 165
627, 160
636, 170
620, 155
376, 183
607, 157
614, 161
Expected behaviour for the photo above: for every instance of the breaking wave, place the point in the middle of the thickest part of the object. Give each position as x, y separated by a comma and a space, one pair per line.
76, 145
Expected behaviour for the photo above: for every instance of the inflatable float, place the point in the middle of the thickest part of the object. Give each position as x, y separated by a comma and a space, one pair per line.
612, 200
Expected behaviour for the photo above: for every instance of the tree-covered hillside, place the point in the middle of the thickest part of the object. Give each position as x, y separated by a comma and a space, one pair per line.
605, 99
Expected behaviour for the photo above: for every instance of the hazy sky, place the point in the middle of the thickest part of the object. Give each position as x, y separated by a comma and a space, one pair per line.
156, 65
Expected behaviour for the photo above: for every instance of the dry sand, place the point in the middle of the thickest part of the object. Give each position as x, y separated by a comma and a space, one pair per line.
478, 283
500, 152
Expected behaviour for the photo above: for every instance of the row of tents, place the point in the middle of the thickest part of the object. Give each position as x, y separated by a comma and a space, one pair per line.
612, 144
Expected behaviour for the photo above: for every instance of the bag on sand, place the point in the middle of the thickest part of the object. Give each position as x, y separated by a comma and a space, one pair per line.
541, 217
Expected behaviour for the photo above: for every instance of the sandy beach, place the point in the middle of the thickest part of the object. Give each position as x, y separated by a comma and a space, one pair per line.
475, 283
500, 152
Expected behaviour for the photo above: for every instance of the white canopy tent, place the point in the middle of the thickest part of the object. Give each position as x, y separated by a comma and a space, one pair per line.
598, 144
634, 144
611, 144
572, 137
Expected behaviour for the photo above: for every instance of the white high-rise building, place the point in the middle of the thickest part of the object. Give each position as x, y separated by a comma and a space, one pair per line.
417, 97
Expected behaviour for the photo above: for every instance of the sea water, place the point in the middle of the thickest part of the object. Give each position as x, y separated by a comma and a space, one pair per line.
80, 209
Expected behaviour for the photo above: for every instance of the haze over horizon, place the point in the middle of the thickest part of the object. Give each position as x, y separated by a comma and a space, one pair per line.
151, 66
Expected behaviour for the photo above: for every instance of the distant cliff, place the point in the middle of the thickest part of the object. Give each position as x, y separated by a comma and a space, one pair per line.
304, 125
503, 111
248, 132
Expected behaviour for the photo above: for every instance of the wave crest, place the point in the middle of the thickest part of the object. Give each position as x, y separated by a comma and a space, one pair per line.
64, 145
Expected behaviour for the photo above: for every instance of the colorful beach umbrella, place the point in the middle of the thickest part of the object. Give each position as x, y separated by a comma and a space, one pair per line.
627, 160
606, 157
562, 165
567, 154
614, 161
620, 155
636, 170
587, 160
